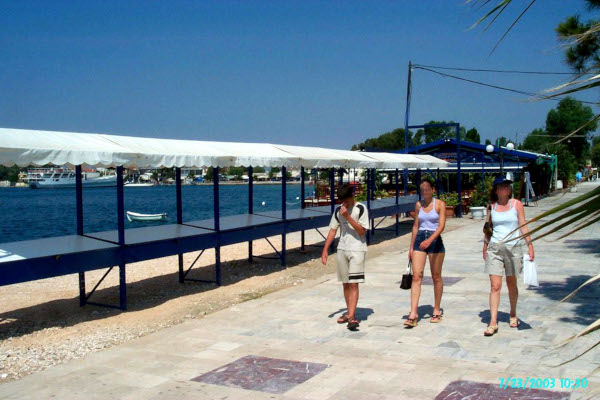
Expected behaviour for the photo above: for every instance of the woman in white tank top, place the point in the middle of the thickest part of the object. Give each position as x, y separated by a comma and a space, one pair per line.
503, 255
426, 242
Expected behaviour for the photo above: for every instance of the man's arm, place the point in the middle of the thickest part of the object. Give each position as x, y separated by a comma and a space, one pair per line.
330, 239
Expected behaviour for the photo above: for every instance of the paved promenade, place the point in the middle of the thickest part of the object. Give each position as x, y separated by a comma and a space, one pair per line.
287, 345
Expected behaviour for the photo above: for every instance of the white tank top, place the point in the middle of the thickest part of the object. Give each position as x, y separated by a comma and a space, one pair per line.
504, 222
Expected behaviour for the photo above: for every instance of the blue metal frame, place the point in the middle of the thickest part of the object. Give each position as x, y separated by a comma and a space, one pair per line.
112, 248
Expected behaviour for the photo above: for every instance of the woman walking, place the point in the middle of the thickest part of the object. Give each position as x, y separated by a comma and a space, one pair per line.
426, 241
503, 255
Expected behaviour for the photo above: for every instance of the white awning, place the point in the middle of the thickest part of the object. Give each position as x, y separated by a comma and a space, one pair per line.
29, 147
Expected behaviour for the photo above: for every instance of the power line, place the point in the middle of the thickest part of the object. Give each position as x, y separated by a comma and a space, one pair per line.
502, 71
494, 86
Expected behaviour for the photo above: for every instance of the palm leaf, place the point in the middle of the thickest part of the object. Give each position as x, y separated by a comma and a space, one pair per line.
589, 207
580, 228
588, 329
586, 196
574, 292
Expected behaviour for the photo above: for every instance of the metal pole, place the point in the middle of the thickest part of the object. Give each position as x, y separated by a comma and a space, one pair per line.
368, 176
121, 230
179, 217
283, 213
438, 183
341, 176
396, 175
483, 172
418, 182
332, 188
459, 214
217, 222
302, 205
79, 201
250, 204
406, 118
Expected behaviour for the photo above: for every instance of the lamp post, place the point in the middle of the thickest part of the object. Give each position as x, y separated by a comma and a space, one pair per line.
490, 149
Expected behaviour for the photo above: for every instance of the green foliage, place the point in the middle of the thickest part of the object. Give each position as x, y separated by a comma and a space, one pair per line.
429, 135
580, 54
536, 140
393, 140
451, 199
209, 174
596, 155
488, 141
571, 114
9, 173
472, 135
479, 198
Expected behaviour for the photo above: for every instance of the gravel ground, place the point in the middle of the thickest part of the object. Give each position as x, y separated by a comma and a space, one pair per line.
41, 323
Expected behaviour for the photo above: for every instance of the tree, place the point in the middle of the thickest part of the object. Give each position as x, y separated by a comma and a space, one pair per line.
473, 136
571, 114
393, 140
10, 174
209, 174
537, 140
596, 155
488, 141
432, 134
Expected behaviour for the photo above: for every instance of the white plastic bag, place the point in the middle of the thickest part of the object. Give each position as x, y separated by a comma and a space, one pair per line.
529, 272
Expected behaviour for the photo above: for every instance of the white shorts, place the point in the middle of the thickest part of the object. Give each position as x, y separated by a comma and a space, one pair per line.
351, 266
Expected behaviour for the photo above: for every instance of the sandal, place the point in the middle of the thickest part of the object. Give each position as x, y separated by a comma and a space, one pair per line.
491, 330
411, 322
436, 318
514, 322
353, 324
343, 319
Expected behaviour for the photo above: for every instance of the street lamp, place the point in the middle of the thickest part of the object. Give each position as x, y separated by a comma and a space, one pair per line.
490, 149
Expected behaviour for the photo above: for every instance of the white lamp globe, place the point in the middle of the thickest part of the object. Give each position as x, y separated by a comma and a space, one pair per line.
489, 148
510, 146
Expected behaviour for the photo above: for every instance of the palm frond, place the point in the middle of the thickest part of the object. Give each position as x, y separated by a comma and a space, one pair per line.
584, 284
579, 228
590, 207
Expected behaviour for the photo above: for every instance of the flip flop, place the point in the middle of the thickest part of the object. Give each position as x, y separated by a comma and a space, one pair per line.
411, 322
514, 322
436, 318
353, 324
343, 319
490, 330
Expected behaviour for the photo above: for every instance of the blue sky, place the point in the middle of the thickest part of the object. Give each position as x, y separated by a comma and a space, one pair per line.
323, 73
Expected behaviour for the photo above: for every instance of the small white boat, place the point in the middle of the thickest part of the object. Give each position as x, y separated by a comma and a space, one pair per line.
139, 184
132, 217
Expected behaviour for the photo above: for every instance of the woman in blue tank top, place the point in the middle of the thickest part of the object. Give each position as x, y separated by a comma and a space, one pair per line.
426, 241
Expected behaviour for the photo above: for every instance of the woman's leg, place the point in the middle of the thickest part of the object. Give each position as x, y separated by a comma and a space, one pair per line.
496, 285
513, 294
435, 263
418, 265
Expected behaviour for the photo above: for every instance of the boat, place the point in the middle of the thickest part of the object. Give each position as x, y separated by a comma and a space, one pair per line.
52, 178
139, 184
135, 217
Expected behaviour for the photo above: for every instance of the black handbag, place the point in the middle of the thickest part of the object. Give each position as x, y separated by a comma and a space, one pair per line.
407, 277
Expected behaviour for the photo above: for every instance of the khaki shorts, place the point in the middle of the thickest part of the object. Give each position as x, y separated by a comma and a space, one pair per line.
351, 266
502, 259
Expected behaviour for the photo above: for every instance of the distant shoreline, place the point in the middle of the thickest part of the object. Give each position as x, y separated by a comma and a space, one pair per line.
194, 184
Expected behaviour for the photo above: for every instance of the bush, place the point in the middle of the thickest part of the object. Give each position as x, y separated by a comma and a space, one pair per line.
451, 199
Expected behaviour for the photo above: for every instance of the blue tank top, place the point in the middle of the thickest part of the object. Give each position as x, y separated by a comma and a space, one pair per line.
429, 221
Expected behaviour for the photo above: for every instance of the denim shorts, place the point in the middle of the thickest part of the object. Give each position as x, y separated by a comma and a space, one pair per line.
437, 246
